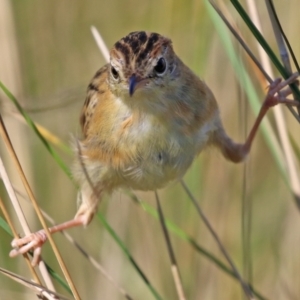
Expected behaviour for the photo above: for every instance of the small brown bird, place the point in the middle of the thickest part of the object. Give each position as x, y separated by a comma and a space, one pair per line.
145, 119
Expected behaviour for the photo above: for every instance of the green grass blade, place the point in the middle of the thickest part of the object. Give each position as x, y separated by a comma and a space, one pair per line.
31, 124
129, 256
5, 226
58, 278
265, 45
295, 146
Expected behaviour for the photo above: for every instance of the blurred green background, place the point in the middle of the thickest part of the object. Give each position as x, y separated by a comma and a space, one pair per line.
47, 58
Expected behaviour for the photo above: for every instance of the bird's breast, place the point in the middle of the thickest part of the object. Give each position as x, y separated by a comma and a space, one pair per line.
144, 151
157, 152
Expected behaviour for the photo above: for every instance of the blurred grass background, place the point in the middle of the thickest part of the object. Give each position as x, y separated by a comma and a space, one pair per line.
47, 58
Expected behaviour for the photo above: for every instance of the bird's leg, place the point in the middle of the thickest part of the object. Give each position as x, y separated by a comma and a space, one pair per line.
271, 100
35, 241
276, 95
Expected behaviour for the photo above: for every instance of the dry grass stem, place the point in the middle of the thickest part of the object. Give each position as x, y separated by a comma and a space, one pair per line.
289, 156
11, 151
100, 43
41, 290
25, 255
24, 224
174, 266
245, 286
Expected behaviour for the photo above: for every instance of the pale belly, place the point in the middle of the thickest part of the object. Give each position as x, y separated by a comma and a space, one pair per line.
155, 170
163, 160
156, 155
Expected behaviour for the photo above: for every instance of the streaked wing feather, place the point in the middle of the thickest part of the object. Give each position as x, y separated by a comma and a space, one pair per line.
96, 88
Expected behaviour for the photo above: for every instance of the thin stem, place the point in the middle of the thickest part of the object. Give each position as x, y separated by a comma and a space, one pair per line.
245, 286
28, 189
174, 266
100, 43
241, 41
35, 286
11, 225
289, 159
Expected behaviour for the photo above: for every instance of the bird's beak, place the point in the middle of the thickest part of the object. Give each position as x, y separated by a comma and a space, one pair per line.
135, 82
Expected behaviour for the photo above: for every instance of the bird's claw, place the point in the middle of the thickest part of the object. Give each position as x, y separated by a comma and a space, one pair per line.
277, 95
33, 241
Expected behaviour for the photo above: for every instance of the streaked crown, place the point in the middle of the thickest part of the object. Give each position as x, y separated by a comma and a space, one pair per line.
140, 59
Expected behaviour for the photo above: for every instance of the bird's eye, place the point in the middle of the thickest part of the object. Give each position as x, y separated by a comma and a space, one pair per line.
114, 73
161, 66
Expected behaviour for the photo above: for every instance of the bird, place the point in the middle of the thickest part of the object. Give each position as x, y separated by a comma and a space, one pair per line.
146, 117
